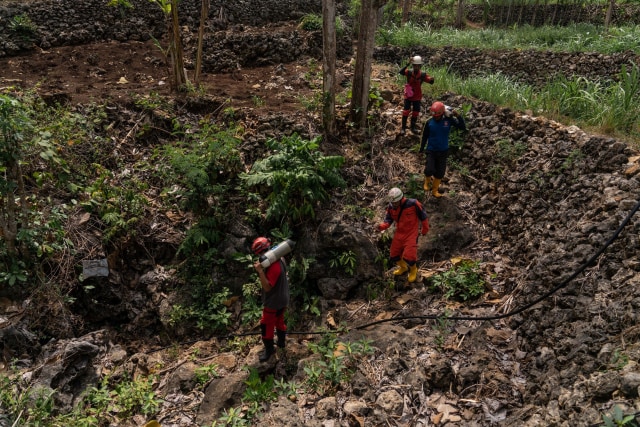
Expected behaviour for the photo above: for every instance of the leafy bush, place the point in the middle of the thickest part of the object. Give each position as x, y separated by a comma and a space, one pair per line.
337, 363
463, 281
22, 26
311, 22
205, 305
110, 401
294, 178
196, 171
345, 260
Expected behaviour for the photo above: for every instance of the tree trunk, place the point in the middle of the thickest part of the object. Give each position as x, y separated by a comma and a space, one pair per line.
406, 9
460, 14
607, 19
175, 51
364, 58
507, 21
204, 14
329, 67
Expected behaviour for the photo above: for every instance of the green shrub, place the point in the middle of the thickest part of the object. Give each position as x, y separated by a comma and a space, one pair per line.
311, 22
617, 418
346, 260
337, 363
463, 281
294, 178
23, 27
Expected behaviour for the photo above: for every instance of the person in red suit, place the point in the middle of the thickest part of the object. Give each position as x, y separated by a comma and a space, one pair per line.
410, 218
413, 92
275, 298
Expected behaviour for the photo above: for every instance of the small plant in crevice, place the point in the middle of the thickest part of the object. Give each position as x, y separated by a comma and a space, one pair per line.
442, 327
346, 260
311, 103
22, 26
507, 151
495, 173
257, 101
458, 166
360, 211
619, 359
617, 418
337, 363
204, 374
259, 390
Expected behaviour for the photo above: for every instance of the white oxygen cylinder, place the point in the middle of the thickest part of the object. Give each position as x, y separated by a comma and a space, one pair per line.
277, 252
448, 111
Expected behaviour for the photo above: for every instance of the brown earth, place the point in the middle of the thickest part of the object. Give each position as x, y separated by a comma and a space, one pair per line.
115, 71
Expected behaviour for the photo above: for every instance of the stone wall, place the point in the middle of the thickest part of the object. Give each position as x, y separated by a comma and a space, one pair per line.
70, 22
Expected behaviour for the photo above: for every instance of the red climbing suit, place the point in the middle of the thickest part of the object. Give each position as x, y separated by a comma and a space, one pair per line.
407, 216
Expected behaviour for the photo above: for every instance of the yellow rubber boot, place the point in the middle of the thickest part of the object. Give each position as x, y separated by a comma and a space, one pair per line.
436, 185
427, 183
413, 273
402, 268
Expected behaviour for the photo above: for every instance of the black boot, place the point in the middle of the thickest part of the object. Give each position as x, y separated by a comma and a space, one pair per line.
269, 350
404, 125
414, 126
281, 336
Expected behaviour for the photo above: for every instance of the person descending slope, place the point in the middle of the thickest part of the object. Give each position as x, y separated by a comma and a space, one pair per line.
435, 136
413, 93
409, 215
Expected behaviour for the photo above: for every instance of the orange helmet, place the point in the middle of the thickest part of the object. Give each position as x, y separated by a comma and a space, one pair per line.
260, 245
437, 109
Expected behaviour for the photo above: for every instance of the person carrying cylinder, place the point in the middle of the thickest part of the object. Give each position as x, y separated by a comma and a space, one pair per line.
435, 136
409, 216
272, 273
413, 93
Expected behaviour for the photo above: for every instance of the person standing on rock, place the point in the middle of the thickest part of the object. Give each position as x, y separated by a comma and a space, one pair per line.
275, 298
409, 215
413, 93
435, 136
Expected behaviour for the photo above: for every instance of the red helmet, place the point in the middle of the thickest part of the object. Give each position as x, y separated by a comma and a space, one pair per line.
260, 245
437, 109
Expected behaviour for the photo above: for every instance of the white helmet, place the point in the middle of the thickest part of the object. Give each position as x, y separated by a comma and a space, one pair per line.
395, 195
417, 60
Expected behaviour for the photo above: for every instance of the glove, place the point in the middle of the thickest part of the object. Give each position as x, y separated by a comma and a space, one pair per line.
383, 226
425, 226
430, 80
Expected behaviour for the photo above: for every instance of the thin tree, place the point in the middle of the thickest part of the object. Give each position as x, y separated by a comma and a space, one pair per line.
406, 9
14, 124
329, 67
607, 18
460, 14
204, 14
364, 57
174, 53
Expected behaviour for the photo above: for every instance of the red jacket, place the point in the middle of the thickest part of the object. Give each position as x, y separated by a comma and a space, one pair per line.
416, 80
407, 216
